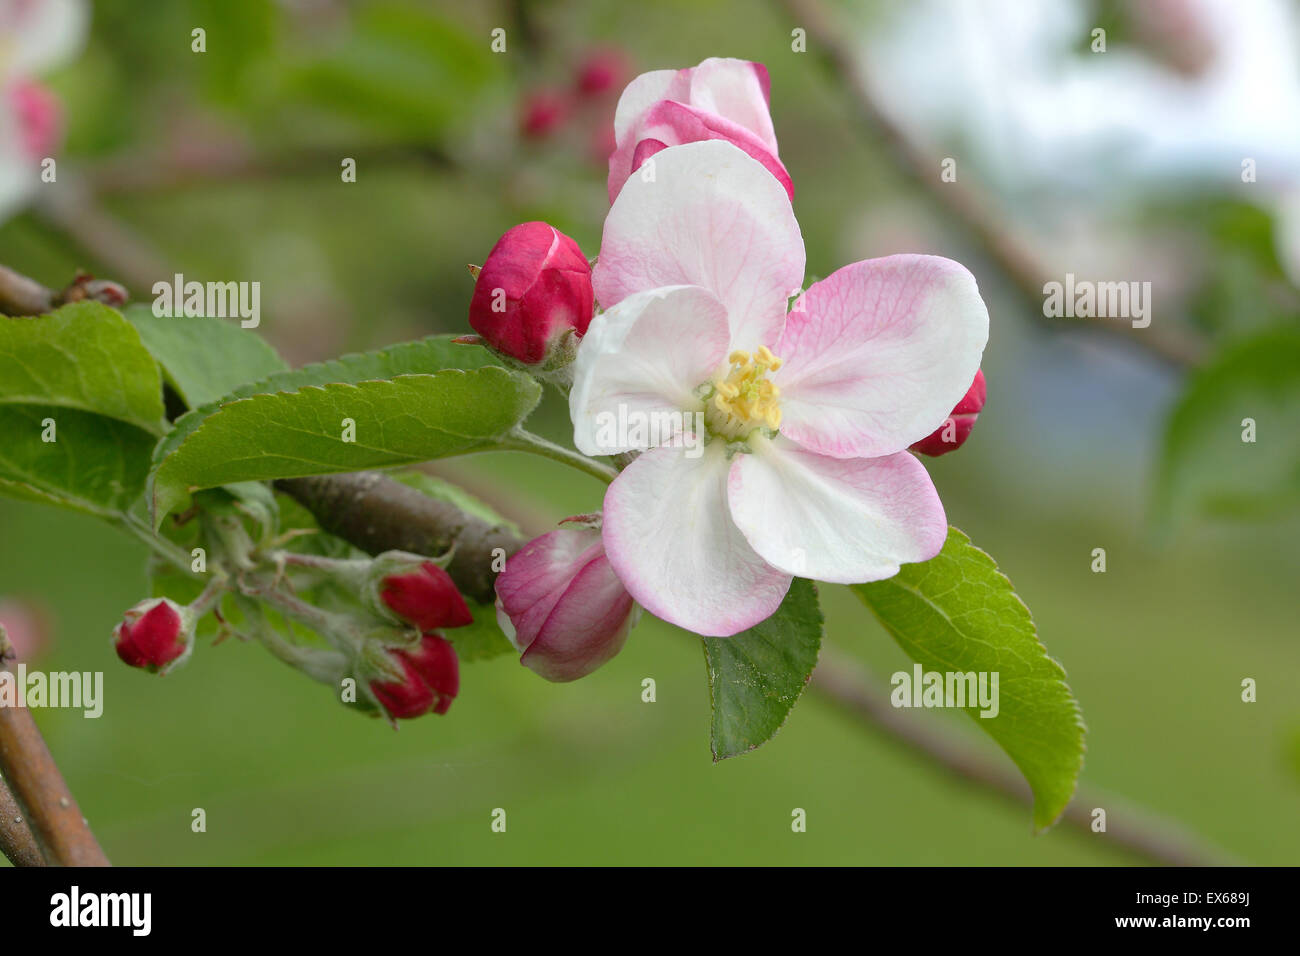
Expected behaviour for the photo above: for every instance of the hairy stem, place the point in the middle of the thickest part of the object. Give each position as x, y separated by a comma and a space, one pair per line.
523, 440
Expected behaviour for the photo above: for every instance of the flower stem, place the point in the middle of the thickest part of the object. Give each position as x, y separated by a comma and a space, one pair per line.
160, 545
523, 440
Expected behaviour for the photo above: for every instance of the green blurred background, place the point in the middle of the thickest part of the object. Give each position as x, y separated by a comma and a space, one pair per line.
225, 165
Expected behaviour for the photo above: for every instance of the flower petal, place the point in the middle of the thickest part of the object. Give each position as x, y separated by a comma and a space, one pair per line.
878, 353
737, 90
674, 124
844, 521
644, 92
561, 605
643, 358
670, 538
713, 217
637, 99
41, 36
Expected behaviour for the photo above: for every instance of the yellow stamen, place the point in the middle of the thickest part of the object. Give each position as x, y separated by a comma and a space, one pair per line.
743, 398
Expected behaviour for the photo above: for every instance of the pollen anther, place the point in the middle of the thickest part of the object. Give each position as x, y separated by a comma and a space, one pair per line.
743, 398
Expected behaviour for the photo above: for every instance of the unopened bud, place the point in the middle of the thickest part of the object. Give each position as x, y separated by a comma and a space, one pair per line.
561, 605
429, 679
157, 635
956, 428
534, 288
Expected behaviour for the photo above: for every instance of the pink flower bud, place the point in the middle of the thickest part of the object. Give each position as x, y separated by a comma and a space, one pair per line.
426, 597
156, 634
562, 606
956, 427
40, 118
718, 99
600, 72
544, 112
534, 287
430, 681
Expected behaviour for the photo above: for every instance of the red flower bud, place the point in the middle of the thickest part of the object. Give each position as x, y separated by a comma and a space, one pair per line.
426, 597
562, 606
430, 681
534, 287
601, 71
956, 427
155, 634
544, 112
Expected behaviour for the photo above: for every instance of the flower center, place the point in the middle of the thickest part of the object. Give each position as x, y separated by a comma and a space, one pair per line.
743, 399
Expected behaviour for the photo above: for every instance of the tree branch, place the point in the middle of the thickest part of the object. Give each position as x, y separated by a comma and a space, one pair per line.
16, 840
221, 163
963, 203
37, 790
376, 513
20, 295
846, 684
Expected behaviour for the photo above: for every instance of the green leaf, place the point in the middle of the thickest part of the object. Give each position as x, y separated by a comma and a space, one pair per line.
85, 356
410, 419
96, 465
204, 359
957, 613
427, 355
1206, 465
756, 676
81, 377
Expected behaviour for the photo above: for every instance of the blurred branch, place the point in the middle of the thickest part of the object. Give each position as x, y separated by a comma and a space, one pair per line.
162, 171
74, 211
847, 685
36, 807
965, 204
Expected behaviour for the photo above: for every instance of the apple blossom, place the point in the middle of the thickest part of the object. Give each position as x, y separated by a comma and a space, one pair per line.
956, 428
35, 35
808, 416
721, 99
561, 604
534, 287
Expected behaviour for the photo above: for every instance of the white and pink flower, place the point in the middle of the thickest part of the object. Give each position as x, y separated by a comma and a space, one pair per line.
35, 36
808, 415
721, 99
